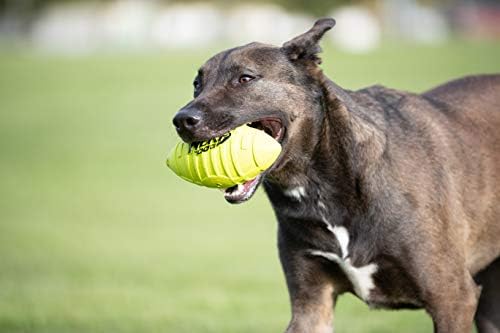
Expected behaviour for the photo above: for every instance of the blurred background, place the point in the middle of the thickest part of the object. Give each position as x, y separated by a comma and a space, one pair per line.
96, 234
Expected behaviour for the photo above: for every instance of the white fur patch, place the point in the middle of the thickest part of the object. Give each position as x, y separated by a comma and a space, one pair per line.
321, 205
360, 277
298, 192
343, 237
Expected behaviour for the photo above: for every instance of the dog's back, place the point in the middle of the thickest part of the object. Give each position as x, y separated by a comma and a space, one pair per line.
459, 92
454, 131
475, 130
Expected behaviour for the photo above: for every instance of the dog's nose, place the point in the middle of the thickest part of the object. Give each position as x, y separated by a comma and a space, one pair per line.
187, 120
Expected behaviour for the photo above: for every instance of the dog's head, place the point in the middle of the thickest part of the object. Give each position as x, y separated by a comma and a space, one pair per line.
267, 87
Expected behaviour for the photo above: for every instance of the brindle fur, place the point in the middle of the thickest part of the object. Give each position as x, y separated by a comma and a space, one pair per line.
414, 178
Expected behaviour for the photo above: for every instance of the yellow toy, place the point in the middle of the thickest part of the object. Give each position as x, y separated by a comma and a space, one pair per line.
233, 158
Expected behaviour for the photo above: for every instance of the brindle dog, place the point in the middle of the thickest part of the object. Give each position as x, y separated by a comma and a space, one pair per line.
390, 195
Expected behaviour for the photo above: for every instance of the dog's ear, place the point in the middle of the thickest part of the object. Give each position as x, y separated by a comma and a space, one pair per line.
306, 46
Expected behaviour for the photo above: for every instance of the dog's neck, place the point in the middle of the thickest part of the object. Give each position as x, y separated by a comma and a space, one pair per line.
336, 170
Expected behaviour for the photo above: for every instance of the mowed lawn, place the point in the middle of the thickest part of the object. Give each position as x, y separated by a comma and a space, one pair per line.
97, 235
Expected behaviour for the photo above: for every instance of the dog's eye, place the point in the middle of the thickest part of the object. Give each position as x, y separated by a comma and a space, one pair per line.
196, 84
245, 78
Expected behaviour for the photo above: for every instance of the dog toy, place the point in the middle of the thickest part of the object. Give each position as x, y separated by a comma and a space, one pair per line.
222, 162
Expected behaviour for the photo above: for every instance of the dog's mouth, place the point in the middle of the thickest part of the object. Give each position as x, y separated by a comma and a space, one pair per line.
242, 192
271, 126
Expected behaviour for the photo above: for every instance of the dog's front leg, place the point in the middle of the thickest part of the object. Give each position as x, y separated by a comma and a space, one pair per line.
312, 293
451, 295
312, 299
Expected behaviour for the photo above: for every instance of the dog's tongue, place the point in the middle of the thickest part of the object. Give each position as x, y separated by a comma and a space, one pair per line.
242, 192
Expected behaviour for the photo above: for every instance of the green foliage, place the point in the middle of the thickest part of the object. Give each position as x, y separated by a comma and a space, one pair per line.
97, 235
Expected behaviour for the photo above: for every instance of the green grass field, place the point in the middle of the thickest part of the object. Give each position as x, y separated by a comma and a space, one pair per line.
96, 235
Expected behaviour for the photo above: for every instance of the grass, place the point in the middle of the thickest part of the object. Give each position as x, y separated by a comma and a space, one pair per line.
96, 235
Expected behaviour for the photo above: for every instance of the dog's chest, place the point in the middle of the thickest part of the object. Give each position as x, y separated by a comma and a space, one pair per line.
304, 213
326, 233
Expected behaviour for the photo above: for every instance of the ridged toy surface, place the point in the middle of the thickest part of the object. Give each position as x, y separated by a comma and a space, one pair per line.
233, 158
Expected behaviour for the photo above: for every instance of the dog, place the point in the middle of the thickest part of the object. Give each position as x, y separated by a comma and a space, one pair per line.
390, 195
